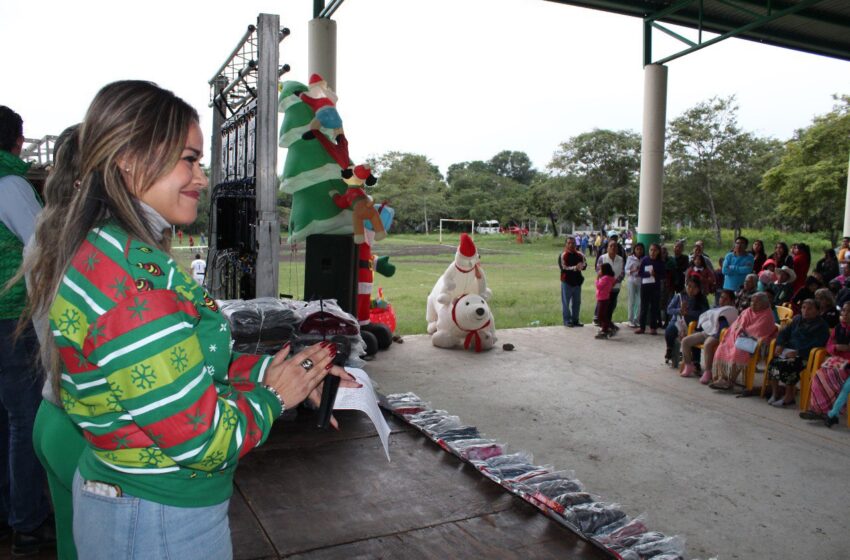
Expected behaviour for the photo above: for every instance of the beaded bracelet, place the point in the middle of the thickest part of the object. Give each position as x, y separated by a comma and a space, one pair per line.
274, 392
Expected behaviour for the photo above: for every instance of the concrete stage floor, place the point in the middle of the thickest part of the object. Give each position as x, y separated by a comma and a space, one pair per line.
736, 477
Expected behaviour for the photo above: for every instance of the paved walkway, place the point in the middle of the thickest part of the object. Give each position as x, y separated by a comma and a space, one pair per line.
736, 477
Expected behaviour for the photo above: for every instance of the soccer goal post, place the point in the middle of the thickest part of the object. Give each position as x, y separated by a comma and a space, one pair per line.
470, 222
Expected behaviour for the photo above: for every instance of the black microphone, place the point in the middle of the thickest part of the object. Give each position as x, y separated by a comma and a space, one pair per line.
331, 383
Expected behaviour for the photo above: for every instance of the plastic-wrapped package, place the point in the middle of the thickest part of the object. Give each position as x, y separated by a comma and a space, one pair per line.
643, 538
671, 546
406, 403
552, 488
571, 499
554, 475
668, 557
518, 458
477, 449
612, 527
589, 518
262, 325
482, 452
445, 424
518, 473
634, 529
323, 319
464, 432
626, 553
427, 417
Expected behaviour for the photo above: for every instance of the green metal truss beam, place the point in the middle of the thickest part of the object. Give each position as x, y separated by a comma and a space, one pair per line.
322, 11
772, 11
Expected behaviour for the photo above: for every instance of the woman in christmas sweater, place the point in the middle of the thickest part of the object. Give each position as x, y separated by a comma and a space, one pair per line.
146, 367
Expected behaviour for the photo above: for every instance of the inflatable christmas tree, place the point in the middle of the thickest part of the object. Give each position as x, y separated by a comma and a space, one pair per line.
310, 174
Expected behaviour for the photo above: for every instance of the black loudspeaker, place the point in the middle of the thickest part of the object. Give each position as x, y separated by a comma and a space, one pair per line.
330, 270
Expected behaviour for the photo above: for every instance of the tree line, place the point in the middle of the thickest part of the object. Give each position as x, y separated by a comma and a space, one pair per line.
717, 175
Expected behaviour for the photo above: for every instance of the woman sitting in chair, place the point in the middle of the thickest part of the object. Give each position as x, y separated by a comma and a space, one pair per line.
828, 307
832, 375
689, 306
730, 361
806, 331
748, 288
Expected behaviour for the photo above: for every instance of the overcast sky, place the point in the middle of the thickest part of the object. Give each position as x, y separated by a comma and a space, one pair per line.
455, 80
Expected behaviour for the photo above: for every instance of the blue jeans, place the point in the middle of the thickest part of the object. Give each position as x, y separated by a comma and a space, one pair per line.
130, 528
570, 303
23, 504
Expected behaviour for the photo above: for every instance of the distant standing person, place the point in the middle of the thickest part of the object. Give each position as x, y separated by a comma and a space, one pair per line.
191, 241
180, 235
632, 271
759, 256
571, 262
199, 269
617, 263
737, 265
203, 239
652, 271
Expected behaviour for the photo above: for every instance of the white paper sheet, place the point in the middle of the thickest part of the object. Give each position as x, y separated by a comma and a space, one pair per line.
365, 400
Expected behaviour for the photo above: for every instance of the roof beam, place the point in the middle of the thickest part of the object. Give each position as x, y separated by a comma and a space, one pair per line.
734, 32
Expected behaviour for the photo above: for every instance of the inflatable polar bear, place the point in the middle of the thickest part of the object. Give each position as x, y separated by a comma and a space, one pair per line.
468, 321
463, 276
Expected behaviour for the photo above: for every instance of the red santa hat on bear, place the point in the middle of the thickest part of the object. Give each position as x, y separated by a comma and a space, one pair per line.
467, 246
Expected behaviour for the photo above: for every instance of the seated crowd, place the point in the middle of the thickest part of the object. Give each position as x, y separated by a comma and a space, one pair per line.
769, 305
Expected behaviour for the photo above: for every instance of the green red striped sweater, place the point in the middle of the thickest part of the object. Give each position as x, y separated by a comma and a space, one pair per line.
148, 374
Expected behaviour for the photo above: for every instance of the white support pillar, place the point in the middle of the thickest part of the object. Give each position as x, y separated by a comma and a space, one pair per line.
847, 205
321, 49
652, 153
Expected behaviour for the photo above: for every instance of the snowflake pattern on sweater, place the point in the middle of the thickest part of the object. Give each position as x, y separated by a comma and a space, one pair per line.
146, 370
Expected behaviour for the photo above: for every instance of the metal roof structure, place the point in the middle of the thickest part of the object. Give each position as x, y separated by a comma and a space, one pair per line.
814, 26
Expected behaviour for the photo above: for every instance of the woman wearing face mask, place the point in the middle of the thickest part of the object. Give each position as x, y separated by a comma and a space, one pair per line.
146, 367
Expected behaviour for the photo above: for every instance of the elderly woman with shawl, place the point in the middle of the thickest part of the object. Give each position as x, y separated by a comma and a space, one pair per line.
729, 361
832, 374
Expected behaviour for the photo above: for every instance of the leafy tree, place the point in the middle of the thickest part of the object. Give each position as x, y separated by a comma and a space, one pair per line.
413, 186
714, 166
602, 167
457, 169
480, 194
554, 198
514, 165
810, 180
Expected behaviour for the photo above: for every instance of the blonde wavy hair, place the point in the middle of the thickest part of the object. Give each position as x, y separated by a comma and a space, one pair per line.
132, 130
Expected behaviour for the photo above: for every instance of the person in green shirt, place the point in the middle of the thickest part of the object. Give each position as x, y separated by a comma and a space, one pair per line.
23, 506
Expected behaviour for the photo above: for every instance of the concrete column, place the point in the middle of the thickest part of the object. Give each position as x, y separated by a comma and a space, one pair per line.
321, 49
652, 153
847, 205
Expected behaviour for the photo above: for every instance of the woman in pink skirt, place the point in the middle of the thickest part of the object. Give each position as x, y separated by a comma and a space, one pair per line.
729, 361
834, 372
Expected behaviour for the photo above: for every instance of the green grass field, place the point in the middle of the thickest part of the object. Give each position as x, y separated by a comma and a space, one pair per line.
524, 277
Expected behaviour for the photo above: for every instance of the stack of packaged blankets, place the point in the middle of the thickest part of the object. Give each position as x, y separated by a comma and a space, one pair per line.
264, 325
557, 493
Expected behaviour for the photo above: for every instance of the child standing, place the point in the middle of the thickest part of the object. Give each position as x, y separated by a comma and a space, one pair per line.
604, 284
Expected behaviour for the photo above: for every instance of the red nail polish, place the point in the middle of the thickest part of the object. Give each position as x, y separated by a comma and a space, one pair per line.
329, 366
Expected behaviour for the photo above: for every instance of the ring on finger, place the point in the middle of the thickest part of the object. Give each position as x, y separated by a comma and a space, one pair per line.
307, 364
